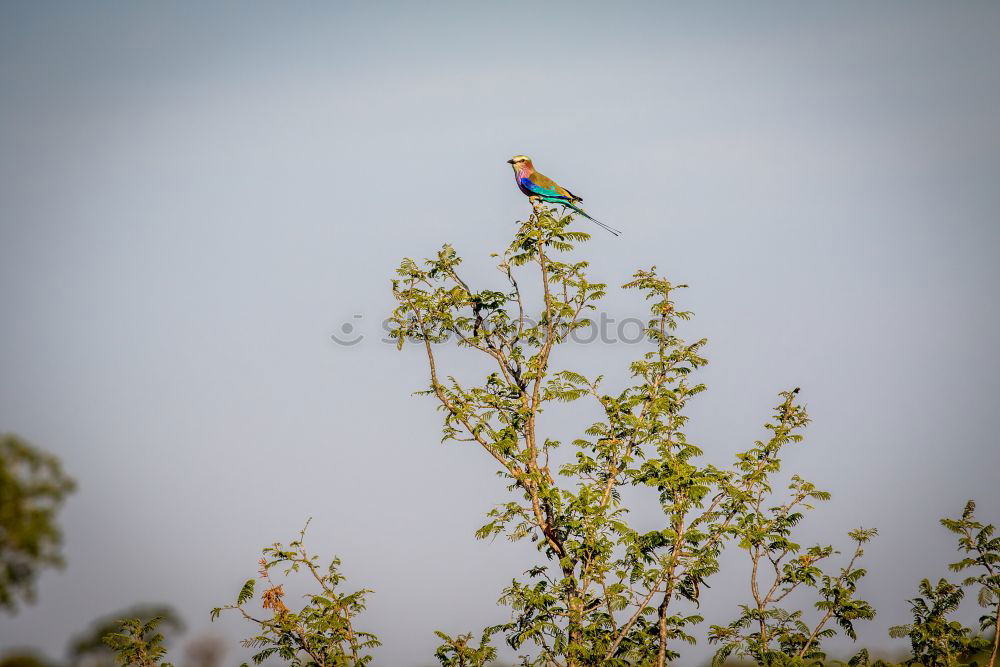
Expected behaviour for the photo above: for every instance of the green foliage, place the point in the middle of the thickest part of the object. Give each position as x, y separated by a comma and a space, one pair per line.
602, 592
24, 660
770, 634
982, 549
91, 642
322, 633
459, 651
863, 659
33, 487
936, 641
137, 643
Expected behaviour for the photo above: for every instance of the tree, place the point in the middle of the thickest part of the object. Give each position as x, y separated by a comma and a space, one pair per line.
90, 648
459, 651
982, 547
33, 487
602, 592
934, 640
24, 660
770, 634
137, 643
322, 633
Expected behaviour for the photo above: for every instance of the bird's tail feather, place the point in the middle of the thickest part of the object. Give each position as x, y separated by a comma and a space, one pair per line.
592, 219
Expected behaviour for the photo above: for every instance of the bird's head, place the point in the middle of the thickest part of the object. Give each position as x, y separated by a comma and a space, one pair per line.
521, 163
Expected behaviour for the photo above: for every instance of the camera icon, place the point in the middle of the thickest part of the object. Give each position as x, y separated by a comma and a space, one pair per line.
348, 334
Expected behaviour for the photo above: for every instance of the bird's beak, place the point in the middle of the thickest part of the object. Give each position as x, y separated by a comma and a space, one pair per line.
510, 162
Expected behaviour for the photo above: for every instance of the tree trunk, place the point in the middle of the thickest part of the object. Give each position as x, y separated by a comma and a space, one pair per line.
661, 653
996, 638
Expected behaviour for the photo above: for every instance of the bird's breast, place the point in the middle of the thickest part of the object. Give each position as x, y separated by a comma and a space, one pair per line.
524, 184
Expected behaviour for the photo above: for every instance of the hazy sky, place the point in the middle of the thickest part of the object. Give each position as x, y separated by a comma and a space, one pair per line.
193, 199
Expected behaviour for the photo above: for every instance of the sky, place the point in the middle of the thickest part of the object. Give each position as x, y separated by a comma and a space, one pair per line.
195, 198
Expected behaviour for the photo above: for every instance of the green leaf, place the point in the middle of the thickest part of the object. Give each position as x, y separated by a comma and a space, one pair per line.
246, 593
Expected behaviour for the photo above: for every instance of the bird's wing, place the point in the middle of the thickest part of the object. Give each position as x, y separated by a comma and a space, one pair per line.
543, 186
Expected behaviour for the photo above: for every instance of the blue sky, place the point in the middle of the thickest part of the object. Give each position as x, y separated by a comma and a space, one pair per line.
193, 198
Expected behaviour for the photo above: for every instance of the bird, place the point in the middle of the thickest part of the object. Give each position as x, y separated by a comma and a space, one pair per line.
539, 186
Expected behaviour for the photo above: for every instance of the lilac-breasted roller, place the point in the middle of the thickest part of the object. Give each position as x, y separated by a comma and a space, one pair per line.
539, 186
